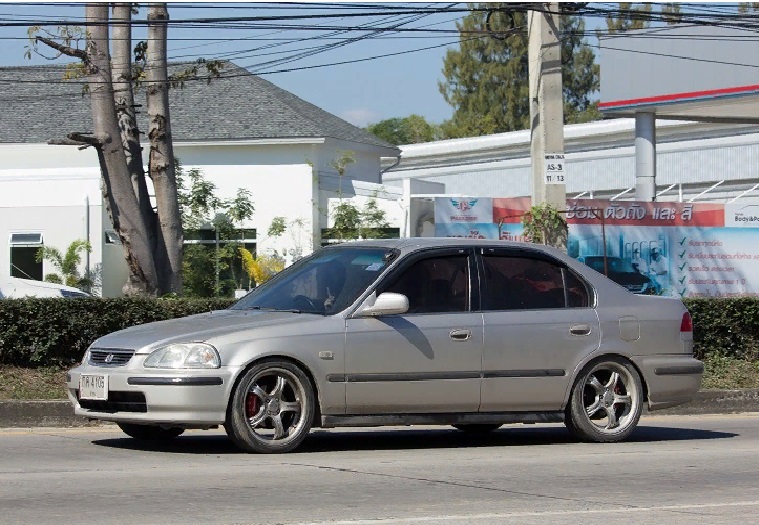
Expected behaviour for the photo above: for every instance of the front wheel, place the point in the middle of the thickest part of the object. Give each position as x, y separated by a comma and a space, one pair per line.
606, 401
150, 432
271, 409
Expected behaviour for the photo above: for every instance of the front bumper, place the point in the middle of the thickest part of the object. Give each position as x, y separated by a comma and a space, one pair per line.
185, 398
671, 379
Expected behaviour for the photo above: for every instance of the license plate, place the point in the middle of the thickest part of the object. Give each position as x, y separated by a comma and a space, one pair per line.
93, 386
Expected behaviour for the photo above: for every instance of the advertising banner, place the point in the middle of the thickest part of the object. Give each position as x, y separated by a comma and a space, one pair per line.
467, 210
664, 248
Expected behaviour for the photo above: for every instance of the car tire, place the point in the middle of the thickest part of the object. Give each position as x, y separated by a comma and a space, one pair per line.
150, 432
606, 401
271, 409
477, 428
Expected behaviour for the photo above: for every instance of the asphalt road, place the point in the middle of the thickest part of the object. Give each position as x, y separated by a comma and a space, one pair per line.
676, 470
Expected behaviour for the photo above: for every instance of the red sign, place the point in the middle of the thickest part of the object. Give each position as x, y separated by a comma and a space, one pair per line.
619, 213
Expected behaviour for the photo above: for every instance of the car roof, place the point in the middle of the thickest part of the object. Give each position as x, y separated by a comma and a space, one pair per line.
411, 243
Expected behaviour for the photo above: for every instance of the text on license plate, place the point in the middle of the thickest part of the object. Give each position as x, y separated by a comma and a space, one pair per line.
93, 386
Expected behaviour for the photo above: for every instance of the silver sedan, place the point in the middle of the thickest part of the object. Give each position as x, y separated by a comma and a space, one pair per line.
474, 334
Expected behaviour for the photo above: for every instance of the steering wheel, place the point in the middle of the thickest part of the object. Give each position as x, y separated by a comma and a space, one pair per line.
300, 300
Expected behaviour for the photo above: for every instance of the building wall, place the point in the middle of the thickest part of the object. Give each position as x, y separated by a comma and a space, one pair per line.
633, 66
688, 154
44, 188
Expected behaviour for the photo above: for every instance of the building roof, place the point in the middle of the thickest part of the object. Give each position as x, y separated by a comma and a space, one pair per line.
37, 105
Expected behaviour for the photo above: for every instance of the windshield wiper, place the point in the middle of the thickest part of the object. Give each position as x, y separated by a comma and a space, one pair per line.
272, 309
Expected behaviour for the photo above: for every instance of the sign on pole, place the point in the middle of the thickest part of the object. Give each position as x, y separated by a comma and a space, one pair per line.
554, 166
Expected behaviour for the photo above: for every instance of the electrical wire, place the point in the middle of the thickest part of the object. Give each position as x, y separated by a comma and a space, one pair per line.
695, 15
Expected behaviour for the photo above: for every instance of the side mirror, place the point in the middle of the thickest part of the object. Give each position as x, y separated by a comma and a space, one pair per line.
387, 303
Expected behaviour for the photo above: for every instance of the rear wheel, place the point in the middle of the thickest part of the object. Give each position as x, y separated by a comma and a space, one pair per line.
478, 428
272, 408
150, 432
606, 401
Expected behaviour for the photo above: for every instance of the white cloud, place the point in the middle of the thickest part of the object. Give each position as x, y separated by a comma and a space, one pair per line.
360, 117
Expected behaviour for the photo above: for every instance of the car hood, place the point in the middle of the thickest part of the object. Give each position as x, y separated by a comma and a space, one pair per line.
198, 327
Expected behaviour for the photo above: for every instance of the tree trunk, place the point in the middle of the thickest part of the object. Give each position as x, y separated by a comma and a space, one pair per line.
169, 244
121, 68
122, 201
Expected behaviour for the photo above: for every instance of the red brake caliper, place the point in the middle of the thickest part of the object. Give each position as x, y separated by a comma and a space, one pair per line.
252, 404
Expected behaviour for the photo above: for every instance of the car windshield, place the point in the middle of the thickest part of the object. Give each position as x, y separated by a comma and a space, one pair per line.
327, 282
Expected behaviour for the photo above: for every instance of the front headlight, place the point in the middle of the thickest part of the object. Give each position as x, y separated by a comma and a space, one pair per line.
184, 355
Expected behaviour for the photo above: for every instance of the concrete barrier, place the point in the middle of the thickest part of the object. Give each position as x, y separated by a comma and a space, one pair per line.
23, 414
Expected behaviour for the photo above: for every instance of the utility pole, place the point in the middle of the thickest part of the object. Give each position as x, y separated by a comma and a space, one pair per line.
546, 107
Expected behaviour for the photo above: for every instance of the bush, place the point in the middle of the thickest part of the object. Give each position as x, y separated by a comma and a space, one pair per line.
725, 327
56, 332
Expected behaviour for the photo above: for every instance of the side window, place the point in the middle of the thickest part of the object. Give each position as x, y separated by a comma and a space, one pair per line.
24, 263
437, 284
519, 283
577, 291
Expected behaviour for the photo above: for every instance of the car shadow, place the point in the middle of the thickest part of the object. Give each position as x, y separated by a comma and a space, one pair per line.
410, 439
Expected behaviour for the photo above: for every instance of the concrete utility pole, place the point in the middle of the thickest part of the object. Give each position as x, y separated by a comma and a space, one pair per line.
546, 107
645, 157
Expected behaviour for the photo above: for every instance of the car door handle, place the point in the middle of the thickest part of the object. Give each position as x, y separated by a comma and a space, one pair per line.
580, 329
460, 335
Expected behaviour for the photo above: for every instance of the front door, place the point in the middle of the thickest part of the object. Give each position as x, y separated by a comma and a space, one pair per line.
427, 360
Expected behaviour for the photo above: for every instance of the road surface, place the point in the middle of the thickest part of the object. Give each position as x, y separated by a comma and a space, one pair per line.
676, 470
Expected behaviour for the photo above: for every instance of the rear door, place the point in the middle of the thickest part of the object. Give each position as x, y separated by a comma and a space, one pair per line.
539, 324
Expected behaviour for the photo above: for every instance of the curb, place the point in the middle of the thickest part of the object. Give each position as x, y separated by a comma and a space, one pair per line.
60, 413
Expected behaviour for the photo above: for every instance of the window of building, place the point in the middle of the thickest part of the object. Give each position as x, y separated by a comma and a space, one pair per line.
521, 283
436, 284
199, 252
112, 237
24, 248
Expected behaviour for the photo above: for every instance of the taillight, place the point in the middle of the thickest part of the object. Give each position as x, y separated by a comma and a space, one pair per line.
686, 325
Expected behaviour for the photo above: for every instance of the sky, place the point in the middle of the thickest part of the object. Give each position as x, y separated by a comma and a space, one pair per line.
361, 93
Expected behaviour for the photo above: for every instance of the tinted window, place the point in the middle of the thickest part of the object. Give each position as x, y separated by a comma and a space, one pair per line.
519, 283
577, 291
436, 284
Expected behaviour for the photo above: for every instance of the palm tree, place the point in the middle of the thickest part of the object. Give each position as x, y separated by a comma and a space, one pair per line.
67, 264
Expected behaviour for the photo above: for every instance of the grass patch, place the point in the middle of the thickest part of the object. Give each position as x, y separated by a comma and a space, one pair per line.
49, 383
729, 372
32, 383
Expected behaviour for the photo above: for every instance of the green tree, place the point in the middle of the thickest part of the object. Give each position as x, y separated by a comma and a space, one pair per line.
632, 15
211, 269
486, 79
352, 222
67, 264
413, 129
629, 15
544, 224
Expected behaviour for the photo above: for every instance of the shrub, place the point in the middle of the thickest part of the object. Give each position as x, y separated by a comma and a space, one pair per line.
56, 332
725, 327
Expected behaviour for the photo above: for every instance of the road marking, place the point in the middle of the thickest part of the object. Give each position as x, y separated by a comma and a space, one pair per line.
490, 516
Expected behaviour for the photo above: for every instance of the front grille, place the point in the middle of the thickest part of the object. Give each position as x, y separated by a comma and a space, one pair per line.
109, 356
117, 402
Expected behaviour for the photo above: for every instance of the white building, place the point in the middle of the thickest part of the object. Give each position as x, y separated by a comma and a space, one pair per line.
696, 162
240, 130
